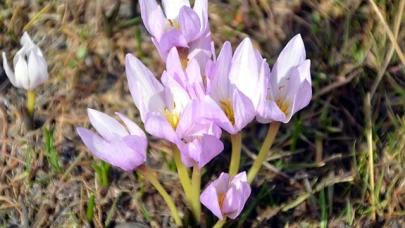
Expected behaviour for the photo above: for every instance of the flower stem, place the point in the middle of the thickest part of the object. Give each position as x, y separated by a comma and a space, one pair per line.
183, 175
268, 141
30, 102
151, 177
236, 150
220, 223
196, 189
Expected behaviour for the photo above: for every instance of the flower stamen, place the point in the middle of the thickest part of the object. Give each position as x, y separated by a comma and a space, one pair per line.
227, 107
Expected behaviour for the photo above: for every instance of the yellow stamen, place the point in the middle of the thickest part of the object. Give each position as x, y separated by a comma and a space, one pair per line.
172, 117
173, 24
227, 107
283, 105
221, 198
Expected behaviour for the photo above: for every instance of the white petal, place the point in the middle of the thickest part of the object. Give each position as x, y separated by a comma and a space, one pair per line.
37, 68
172, 7
21, 74
7, 69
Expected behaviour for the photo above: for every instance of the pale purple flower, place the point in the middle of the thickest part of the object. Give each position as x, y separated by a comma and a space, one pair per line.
289, 84
30, 68
226, 196
120, 146
178, 26
236, 86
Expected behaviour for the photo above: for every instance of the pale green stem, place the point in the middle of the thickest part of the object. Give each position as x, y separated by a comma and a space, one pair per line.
236, 151
271, 135
196, 189
183, 175
151, 177
220, 223
30, 102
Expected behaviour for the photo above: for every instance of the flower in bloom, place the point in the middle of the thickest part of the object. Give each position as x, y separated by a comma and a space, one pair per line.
121, 146
170, 112
179, 26
236, 86
226, 196
30, 69
289, 84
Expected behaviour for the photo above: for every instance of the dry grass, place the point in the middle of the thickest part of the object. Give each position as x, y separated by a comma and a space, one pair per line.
318, 173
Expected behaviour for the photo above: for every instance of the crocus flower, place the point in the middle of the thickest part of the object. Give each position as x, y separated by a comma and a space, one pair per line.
236, 86
226, 196
120, 146
289, 84
179, 26
30, 69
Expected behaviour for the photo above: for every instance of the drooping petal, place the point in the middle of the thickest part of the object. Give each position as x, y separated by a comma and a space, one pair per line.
211, 146
292, 55
105, 125
94, 142
153, 17
172, 38
158, 126
189, 23
7, 69
37, 68
21, 73
133, 128
172, 7
209, 199
244, 111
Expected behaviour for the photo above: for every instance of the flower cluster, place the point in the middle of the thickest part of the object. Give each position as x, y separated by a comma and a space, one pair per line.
199, 95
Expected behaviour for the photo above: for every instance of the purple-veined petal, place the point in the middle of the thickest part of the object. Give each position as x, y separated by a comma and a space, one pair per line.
38, 70
95, 143
153, 17
292, 55
210, 110
211, 146
243, 109
105, 125
189, 23
268, 111
188, 118
244, 72
220, 84
157, 125
172, 7
209, 199
133, 128
200, 49
7, 69
174, 67
172, 38
201, 8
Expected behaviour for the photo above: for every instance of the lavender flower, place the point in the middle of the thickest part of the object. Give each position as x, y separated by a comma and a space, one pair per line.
119, 146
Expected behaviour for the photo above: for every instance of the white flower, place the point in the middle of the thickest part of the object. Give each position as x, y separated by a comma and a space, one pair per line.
30, 69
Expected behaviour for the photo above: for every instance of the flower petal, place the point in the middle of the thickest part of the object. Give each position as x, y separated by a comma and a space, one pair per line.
133, 128
158, 126
38, 70
210, 110
268, 111
172, 7
219, 74
21, 73
201, 8
105, 124
189, 23
172, 38
211, 146
95, 143
292, 55
153, 17
209, 199
243, 109
8, 71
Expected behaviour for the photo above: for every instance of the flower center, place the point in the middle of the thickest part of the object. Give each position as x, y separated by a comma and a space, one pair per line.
183, 53
221, 198
174, 24
172, 116
227, 107
283, 105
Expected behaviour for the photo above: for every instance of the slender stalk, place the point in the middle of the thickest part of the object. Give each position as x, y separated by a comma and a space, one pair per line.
196, 189
30, 102
150, 176
183, 175
236, 150
369, 133
268, 141
220, 223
